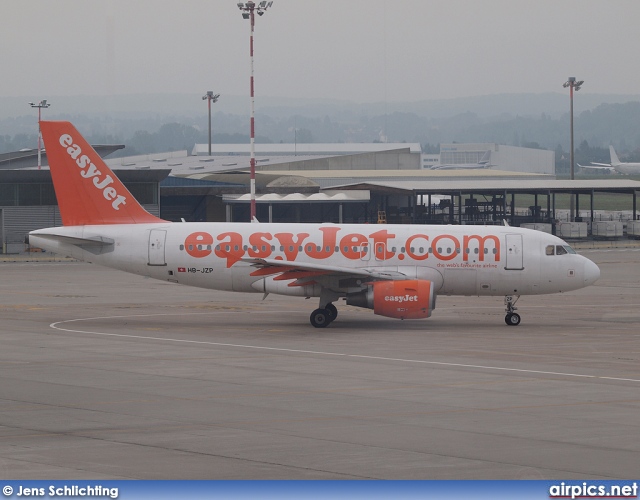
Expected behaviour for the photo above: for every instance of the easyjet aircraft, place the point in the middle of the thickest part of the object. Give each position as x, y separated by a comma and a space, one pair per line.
396, 270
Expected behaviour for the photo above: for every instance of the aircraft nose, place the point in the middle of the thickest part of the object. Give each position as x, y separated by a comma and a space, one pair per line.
591, 272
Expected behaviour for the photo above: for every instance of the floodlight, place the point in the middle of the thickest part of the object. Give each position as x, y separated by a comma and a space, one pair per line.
260, 12
245, 15
263, 4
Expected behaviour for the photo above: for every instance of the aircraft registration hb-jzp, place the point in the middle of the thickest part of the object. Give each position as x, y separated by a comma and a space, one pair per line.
396, 270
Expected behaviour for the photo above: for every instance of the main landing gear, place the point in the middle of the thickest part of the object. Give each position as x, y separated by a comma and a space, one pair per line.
326, 312
321, 318
512, 318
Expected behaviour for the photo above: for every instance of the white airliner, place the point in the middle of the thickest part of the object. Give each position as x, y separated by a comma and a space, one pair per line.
616, 165
483, 163
396, 270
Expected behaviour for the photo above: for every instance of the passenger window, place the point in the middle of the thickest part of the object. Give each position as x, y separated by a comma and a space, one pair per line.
560, 250
550, 250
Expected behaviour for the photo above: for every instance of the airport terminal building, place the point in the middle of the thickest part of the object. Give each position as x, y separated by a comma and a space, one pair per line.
355, 183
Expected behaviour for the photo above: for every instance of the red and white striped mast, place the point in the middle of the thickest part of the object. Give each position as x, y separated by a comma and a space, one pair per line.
249, 9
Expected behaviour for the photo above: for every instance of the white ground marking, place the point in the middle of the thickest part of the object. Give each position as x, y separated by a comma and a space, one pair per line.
317, 353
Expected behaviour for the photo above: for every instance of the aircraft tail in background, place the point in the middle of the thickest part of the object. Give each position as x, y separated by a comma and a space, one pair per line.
88, 192
614, 157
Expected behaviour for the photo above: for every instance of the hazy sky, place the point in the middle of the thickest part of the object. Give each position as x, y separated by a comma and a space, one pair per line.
375, 50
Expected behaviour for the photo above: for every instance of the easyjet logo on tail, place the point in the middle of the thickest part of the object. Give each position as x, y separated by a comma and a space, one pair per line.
90, 171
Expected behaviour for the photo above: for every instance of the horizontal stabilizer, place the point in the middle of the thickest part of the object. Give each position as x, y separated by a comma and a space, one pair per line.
87, 241
93, 244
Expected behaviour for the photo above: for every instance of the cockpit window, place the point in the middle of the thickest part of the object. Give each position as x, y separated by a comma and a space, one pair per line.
558, 250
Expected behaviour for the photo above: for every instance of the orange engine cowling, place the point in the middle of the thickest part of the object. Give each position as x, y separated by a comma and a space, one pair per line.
407, 299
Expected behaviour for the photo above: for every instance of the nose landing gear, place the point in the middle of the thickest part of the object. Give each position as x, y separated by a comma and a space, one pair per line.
512, 318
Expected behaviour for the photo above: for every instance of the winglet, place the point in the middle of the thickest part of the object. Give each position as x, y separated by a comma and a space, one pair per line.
88, 192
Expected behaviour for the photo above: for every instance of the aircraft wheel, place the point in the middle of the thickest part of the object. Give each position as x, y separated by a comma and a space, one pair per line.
512, 319
332, 310
320, 318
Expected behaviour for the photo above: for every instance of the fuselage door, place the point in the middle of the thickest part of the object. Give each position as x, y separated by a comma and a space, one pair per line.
157, 239
514, 259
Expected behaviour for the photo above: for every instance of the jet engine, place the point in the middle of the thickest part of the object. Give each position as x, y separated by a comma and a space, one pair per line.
406, 299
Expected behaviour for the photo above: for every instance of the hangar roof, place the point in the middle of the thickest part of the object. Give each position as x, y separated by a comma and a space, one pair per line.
427, 174
497, 186
28, 158
313, 149
183, 165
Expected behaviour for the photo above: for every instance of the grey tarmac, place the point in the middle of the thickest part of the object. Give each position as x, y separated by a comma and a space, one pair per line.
106, 375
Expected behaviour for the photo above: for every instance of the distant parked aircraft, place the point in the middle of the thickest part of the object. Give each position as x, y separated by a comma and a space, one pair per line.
483, 163
616, 165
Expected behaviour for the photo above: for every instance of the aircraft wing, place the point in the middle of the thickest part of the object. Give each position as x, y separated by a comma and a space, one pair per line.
598, 166
331, 277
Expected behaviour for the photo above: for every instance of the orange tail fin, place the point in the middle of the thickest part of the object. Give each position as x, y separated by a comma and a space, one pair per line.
88, 192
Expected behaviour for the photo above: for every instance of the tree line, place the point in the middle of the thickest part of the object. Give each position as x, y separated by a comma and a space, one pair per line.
595, 130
